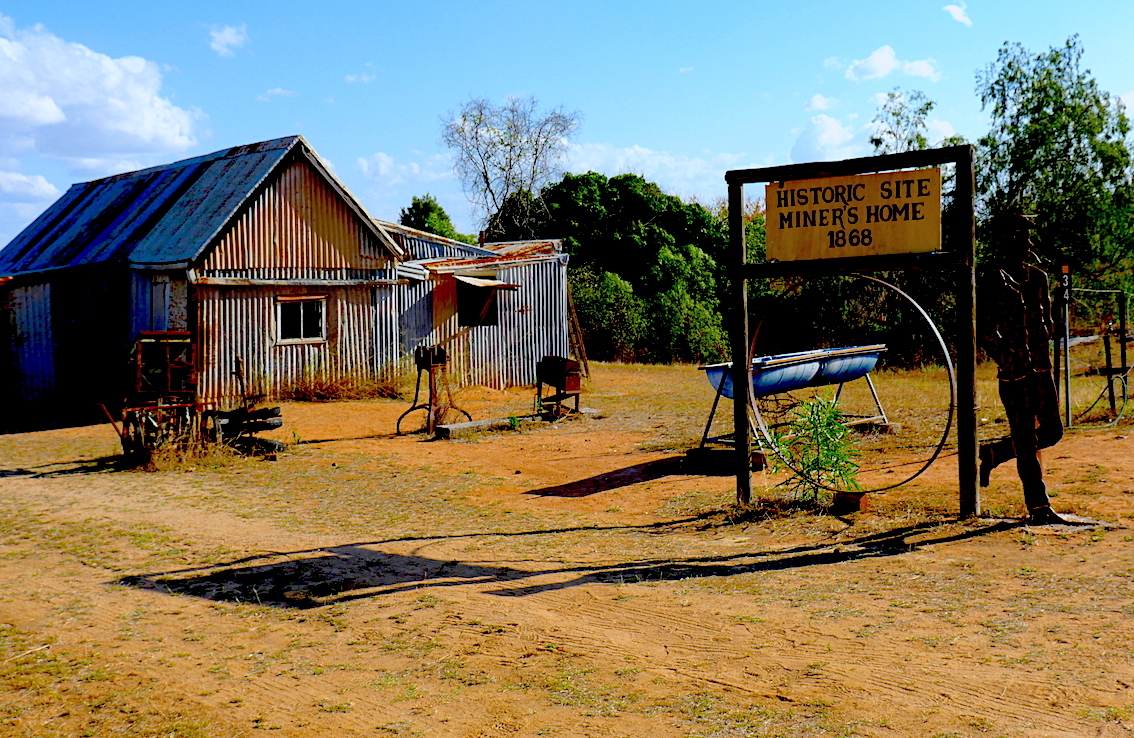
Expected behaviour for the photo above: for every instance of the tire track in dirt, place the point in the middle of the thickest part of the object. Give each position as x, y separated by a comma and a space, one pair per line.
350, 709
124, 629
889, 681
564, 603
1021, 702
621, 630
688, 640
877, 673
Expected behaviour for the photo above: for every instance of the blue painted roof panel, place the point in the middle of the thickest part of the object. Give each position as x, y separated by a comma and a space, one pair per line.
202, 211
165, 214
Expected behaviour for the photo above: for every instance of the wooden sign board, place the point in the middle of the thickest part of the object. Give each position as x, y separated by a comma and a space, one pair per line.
861, 215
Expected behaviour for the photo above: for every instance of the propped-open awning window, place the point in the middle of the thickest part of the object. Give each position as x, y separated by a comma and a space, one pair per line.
487, 282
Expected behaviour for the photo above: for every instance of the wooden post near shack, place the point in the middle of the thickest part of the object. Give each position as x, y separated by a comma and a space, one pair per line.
819, 230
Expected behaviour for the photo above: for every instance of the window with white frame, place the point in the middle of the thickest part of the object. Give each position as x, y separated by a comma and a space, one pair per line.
301, 318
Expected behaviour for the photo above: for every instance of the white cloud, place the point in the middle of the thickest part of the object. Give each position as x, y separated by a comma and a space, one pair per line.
818, 102
884, 61
832, 62
879, 64
825, 139
385, 167
275, 92
685, 70
939, 130
223, 39
64, 100
958, 13
1127, 100
925, 68
680, 174
363, 78
391, 184
16, 187
379, 165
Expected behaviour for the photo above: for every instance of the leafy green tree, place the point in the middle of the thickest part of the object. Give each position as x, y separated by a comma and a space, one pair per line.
639, 258
613, 317
900, 123
623, 222
670, 252
1058, 149
426, 214
517, 218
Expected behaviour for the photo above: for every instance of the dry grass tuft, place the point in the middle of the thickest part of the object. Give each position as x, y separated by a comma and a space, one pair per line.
33, 673
188, 457
765, 509
325, 389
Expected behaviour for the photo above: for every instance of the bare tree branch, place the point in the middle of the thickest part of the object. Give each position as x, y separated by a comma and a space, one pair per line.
506, 150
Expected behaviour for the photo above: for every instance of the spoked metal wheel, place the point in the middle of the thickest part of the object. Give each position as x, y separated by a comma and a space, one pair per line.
772, 412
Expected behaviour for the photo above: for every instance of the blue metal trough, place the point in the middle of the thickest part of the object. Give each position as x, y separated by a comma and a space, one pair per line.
786, 372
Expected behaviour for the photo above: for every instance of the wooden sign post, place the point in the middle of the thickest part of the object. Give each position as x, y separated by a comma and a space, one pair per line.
879, 213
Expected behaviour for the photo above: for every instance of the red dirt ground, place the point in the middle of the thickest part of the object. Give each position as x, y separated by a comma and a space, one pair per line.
572, 580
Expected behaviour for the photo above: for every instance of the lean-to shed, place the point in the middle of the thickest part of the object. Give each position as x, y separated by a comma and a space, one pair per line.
272, 266
497, 308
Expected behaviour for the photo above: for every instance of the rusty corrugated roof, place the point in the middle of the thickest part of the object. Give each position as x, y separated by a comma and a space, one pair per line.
512, 253
515, 254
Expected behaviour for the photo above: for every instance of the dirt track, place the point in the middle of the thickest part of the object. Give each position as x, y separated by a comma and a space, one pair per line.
567, 581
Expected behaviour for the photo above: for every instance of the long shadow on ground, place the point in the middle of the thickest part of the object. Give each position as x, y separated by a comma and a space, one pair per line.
66, 468
647, 472
327, 576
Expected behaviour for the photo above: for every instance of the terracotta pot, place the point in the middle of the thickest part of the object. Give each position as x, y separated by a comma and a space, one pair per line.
848, 502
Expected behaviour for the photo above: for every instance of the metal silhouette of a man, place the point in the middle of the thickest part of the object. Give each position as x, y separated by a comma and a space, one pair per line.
1016, 332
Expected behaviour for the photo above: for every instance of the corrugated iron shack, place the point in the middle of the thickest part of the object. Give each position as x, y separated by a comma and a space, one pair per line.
497, 309
273, 266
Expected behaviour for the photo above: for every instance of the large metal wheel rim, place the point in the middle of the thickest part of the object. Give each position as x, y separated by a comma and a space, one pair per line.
766, 434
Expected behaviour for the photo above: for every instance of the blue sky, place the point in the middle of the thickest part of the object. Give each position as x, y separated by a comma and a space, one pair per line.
677, 92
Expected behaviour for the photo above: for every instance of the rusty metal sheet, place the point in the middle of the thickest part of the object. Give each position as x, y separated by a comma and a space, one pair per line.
240, 322
531, 324
298, 228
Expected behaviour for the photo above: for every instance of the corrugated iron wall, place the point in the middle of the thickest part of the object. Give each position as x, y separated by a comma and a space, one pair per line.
159, 302
297, 228
385, 317
30, 343
532, 323
415, 315
420, 248
240, 322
